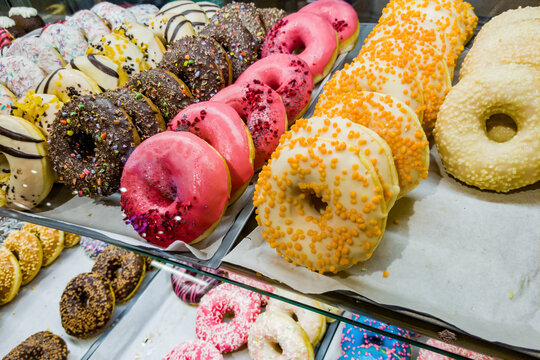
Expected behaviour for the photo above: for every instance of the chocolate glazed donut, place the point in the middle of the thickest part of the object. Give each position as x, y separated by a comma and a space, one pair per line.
89, 144
41, 345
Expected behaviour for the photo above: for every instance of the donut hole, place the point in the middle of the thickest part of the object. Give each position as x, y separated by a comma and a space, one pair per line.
83, 144
316, 202
84, 299
500, 127
374, 340
228, 317
277, 348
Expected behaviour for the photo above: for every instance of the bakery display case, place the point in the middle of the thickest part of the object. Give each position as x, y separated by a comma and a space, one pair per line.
457, 267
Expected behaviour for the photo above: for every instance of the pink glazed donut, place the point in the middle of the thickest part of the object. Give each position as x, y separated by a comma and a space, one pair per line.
194, 350
262, 110
309, 32
221, 126
343, 18
227, 299
429, 355
289, 76
174, 186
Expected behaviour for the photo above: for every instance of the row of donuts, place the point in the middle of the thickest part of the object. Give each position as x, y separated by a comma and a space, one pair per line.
24, 252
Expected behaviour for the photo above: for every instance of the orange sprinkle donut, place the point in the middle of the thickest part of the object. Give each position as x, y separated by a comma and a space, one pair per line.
320, 204
392, 120
461, 132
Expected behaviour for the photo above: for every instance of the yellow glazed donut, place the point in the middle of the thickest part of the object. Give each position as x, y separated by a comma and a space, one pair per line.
52, 241
23, 151
10, 276
393, 121
320, 204
70, 240
27, 249
273, 328
65, 83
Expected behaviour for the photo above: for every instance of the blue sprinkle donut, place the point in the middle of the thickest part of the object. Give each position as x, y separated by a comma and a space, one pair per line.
360, 344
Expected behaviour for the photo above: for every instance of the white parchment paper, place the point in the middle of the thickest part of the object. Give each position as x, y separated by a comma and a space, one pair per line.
468, 257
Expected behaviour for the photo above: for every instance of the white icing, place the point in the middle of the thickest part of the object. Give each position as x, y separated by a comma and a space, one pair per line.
25, 12
6, 22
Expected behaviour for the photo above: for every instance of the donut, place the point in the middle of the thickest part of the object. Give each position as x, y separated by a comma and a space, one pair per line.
236, 40
505, 20
314, 324
121, 50
41, 345
190, 61
107, 74
122, 268
357, 343
168, 29
220, 57
326, 228
9, 25
308, 31
209, 8
270, 17
165, 197
273, 328
52, 241
462, 133
401, 130
10, 276
7, 98
215, 305
91, 25
69, 40
262, 110
143, 12
27, 249
190, 10
194, 350
190, 287
113, 14
289, 76
221, 126
38, 51
144, 115
70, 240
253, 283
86, 305
39, 109
89, 143
164, 89
429, 355
27, 18
24, 148
66, 83
5, 39
247, 15
19, 74
92, 248
331, 309
343, 18
152, 48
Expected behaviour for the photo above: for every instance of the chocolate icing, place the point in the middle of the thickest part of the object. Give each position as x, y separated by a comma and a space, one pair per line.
16, 136
246, 14
18, 153
270, 17
41, 345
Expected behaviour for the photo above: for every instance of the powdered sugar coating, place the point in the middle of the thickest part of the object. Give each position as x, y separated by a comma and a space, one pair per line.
69, 40
91, 24
194, 350
19, 74
429, 355
227, 298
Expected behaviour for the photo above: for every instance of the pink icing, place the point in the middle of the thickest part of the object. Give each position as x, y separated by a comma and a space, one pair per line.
253, 283
221, 126
303, 30
429, 355
339, 13
174, 187
194, 350
227, 298
262, 110
288, 75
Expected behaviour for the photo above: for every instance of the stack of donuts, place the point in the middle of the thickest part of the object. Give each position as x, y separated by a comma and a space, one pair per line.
488, 129
324, 198
24, 252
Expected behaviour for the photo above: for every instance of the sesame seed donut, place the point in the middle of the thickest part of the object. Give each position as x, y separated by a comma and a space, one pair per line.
27, 249
91, 25
289, 76
343, 18
194, 350
122, 268
462, 133
39, 109
311, 206
152, 48
86, 305
311, 32
221, 126
27, 174
221, 300
42, 54
105, 72
48, 345
166, 197
273, 328
66, 83
262, 110
401, 130
52, 241
69, 40
10, 276
19, 74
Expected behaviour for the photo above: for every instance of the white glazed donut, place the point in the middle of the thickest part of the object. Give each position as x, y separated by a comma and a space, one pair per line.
105, 72
273, 328
65, 83
19, 74
91, 25
190, 10
145, 39
41, 53
143, 12
6, 100
69, 40
210, 9
23, 151
113, 14
39, 109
